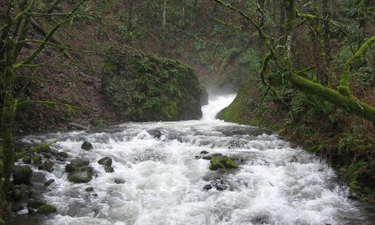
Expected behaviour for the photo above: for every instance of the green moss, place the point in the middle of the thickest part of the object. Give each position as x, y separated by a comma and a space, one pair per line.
150, 88
222, 162
46, 209
37, 159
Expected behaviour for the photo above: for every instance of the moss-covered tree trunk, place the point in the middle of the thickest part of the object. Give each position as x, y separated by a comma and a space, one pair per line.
8, 111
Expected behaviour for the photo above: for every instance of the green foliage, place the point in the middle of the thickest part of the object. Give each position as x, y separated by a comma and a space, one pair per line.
149, 87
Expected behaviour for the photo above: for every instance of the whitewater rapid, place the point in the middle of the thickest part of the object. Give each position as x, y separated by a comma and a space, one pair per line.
165, 177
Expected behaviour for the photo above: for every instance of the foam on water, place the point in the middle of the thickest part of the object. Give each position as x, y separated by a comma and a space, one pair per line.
274, 184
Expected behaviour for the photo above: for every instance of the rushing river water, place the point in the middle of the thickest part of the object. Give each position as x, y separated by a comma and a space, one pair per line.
165, 183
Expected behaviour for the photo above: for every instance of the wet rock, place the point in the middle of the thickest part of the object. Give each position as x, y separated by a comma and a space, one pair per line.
37, 159
71, 168
17, 207
77, 165
47, 166
16, 194
80, 177
86, 146
33, 205
26, 159
207, 187
38, 178
109, 169
46, 209
22, 174
49, 182
119, 181
63, 155
222, 162
204, 152
155, 133
106, 161
89, 189
80, 162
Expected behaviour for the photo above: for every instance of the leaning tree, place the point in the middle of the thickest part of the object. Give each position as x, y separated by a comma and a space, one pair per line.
13, 33
277, 61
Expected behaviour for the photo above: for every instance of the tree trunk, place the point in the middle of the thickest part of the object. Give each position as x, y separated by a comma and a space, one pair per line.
326, 41
130, 18
164, 13
8, 111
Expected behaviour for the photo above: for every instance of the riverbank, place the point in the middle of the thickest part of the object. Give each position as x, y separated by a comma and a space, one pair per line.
347, 142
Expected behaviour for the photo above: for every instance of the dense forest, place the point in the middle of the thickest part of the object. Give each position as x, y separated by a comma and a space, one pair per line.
302, 68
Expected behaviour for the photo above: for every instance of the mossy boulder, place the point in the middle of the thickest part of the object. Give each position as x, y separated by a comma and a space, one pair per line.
22, 174
140, 87
222, 162
80, 176
46, 209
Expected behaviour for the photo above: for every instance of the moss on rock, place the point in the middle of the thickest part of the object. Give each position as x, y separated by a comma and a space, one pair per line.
142, 87
46, 209
222, 162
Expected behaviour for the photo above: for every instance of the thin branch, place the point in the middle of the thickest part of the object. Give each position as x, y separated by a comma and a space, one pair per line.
47, 38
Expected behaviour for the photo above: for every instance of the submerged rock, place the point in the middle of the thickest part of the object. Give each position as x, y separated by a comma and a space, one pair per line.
86, 146
22, 174
109, 169
49, 182
155, 133
222, 162
89, 189
119, 181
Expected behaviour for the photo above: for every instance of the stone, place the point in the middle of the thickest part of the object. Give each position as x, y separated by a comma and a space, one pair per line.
222, 162
77, 165
22, 174
80, 162
86, 146
26, 159
204, 152
49, 182
46, 209
119, 181
63, 155
155, 133
34, 204
207, 187
38, 178
80, 177
47, 166
106, 161
89, 189
109, 169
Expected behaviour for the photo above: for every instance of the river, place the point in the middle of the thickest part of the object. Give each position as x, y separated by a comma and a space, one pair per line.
167, 182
